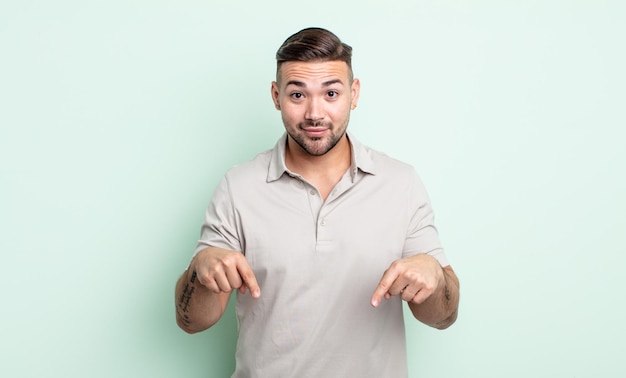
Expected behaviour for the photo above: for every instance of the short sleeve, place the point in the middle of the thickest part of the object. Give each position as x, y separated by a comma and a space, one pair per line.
422, 235
220, 225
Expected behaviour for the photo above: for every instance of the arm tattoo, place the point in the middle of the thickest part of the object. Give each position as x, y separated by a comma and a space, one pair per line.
185, 298
183, 317
446, 320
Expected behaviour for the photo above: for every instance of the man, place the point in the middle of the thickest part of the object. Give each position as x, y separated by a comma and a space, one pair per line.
305, 231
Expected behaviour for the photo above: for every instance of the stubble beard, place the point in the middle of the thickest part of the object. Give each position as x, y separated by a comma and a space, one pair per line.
317, 146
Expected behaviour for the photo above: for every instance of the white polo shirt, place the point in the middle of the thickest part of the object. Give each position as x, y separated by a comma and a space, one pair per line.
318, 263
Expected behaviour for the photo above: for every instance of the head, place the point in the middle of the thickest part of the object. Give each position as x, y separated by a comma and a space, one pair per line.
313, 45
315, 89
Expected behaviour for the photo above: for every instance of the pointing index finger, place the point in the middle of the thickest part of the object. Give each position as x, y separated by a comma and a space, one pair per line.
383, 287
249, 279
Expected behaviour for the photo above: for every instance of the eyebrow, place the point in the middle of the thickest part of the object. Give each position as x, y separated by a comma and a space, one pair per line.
301, 84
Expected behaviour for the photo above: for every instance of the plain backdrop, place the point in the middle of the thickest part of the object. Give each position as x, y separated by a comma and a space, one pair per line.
118, 118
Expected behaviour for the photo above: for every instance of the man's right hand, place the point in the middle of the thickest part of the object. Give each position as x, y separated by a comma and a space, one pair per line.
223, 271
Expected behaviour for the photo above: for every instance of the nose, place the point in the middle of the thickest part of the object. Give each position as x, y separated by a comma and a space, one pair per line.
314, 109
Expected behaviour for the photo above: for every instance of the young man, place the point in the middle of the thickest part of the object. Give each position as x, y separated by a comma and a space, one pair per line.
305, 231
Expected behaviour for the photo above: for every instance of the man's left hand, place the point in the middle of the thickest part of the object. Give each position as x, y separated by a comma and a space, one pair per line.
415, 278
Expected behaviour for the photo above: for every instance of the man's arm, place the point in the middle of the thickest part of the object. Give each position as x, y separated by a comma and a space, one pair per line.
202, 292
431, 291
197, 307
441, 308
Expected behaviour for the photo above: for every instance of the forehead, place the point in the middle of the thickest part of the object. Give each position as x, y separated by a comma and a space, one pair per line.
314, 72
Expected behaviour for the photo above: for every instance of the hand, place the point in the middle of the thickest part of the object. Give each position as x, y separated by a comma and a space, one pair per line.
415, 278
223, 271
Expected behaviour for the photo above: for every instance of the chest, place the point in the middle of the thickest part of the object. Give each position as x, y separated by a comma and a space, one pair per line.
356, 225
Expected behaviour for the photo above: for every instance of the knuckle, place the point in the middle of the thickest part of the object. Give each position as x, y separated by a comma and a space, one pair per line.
214, 270
235, 281
248, 274
229, 261
203, 277
216, 289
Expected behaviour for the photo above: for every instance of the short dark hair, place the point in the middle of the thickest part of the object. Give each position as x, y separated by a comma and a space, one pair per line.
313, 45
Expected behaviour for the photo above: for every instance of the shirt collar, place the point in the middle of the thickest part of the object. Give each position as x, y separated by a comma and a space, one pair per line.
361, 159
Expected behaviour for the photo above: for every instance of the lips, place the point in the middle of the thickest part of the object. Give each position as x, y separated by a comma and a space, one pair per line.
315, 132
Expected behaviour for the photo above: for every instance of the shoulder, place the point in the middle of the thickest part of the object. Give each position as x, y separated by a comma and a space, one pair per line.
251, 170
384, 160
378, 163
388, 167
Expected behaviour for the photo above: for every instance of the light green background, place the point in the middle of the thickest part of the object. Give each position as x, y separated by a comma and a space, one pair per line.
117, 119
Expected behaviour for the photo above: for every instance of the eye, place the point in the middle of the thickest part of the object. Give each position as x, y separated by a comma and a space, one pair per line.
296, 95
332, 94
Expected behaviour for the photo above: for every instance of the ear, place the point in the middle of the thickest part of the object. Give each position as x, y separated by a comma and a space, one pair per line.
275, 94
355, 90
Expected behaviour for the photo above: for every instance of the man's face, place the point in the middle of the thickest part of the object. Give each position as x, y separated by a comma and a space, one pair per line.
315, 99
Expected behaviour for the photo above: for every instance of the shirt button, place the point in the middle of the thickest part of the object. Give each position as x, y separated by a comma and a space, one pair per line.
312, 192
323, 223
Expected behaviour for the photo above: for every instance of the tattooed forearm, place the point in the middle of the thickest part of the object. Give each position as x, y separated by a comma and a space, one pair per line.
447, 320
450, 300
184, 318
185, 297
447, 296
197, 307
184, 300
440, 310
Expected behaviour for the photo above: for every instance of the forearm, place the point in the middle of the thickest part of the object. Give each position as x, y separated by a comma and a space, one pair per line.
197, 307
440, 309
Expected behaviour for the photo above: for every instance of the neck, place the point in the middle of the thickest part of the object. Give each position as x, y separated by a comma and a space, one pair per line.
338, 159
324, 172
